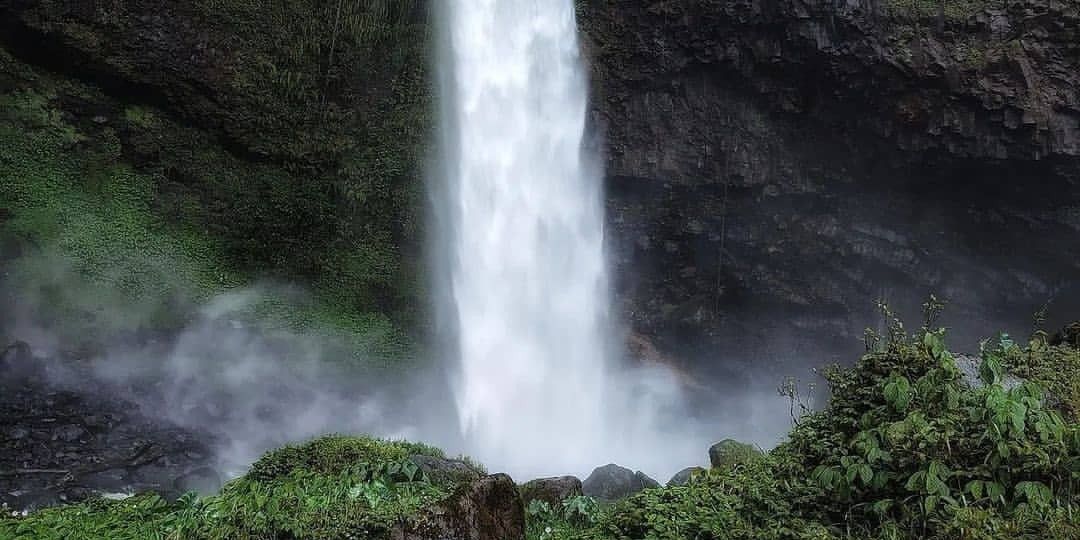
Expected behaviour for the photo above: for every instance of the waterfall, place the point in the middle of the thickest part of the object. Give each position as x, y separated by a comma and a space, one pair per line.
527, 272
524, 274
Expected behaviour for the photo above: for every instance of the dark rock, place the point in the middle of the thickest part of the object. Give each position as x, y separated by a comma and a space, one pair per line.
1070, 335
69, 433
443, 470
550, 490
683, 477
645, 480
728, 453
612, 482
486, 509
18, 432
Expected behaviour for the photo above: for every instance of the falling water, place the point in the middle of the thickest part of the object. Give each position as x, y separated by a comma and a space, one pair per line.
525, 275
528, 278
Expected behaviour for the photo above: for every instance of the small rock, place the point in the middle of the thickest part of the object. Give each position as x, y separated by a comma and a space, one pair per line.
683, 477
550, 490
69, 433
728, 453
612, 482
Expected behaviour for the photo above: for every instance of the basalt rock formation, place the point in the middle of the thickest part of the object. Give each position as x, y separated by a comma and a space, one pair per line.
771, 165
774, 164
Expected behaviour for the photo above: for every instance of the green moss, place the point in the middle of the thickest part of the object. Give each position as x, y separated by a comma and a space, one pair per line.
729, 453
930, 10
335, 454
124, 219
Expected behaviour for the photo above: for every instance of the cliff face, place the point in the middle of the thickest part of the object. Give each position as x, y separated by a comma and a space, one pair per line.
289, 136
775, 166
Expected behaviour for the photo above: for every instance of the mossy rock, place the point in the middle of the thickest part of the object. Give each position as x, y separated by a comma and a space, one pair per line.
728, 453
335, 454
551, 490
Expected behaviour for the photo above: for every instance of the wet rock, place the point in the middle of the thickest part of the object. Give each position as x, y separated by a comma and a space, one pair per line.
489, 508
728, 453
443, 470
17, 433
969, 370
69, 433
550, 490
612, 482
683, 477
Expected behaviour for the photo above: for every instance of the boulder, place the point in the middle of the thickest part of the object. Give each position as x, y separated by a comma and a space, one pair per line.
489, 508
446, 471
550, 490
969, 371
728, 453
612, 482
683, 477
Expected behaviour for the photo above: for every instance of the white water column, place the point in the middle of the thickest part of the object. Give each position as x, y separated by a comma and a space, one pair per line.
527, 271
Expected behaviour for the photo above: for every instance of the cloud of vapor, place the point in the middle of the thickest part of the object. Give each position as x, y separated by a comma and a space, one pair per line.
250, 387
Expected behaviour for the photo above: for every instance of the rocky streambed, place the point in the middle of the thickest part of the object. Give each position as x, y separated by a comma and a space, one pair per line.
67, 435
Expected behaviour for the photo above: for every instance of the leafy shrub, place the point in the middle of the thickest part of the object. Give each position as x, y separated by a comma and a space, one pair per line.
907, 448
333, 454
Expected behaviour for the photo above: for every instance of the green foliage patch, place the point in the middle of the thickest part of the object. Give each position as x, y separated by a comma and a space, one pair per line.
907, 448
122, 219
334, 487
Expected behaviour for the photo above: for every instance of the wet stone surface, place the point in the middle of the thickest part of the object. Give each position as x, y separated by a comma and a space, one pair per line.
65, 438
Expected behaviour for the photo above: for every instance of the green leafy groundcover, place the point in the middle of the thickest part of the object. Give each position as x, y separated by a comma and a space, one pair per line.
330, 488
907, 448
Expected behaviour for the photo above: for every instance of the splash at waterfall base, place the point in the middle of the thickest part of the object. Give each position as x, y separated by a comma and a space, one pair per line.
526, 290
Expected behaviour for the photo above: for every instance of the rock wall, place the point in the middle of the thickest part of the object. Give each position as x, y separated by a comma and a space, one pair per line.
776, 166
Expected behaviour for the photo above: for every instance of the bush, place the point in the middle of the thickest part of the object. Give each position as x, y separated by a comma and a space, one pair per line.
907, 448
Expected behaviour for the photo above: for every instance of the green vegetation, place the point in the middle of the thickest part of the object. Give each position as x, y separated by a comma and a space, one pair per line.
908, 448
333, 487
950, 11
116, 218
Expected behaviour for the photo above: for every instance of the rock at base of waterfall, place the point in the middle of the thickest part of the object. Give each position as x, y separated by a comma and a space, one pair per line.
612, 482
684, 476
550, 490
729, 452
489, 508
446, 471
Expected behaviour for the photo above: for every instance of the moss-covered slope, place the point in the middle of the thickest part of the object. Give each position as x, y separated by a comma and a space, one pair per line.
156, 155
